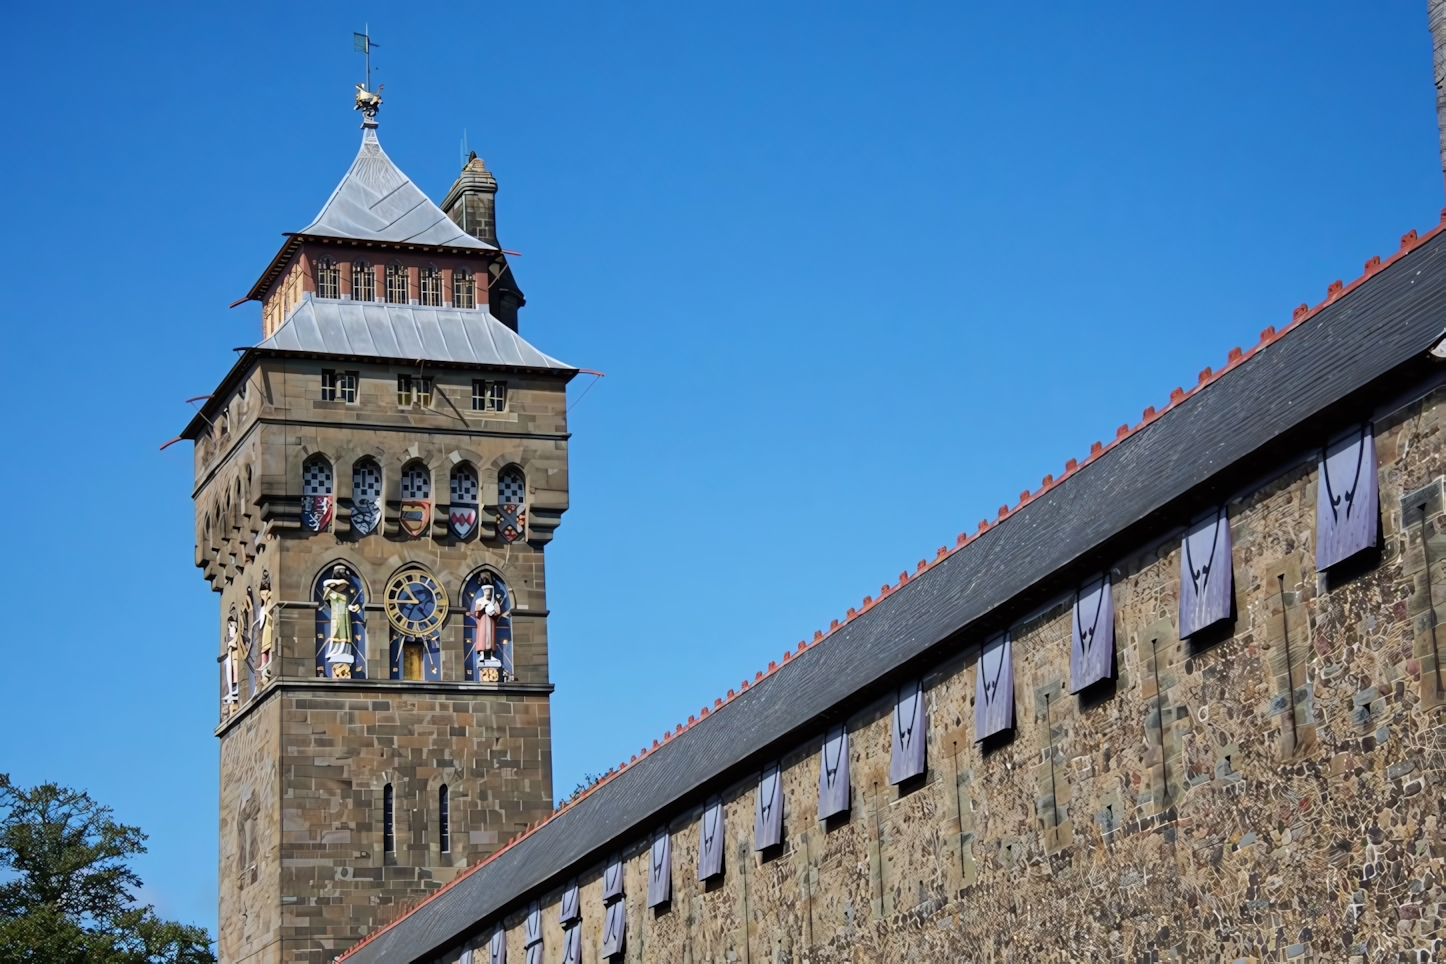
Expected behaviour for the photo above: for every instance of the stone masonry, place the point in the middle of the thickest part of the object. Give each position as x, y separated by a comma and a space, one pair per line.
1222, 801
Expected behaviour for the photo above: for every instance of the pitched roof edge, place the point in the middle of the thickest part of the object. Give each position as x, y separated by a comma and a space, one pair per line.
1236, 358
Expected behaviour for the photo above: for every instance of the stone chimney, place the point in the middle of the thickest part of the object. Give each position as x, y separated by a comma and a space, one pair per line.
1436, 17
472, 201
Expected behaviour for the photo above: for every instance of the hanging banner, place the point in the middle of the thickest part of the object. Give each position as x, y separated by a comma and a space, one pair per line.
497, 947
572, 945
909, 734
1207, 579
532, 933
833, 773
1092, 635
994, 688
660, 870
710, 850
1347, 509
768, 810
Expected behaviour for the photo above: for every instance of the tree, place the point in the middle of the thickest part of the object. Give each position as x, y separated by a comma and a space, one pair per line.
68, 897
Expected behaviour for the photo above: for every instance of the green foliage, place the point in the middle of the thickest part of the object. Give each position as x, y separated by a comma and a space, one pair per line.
67, 898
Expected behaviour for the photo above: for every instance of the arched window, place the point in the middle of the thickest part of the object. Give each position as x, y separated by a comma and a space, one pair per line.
316, 500
511, 504
363, 281
486, 628
462, 513
328, 279
389, 834
429, 284
415, 513
366, 497
464, 288
444, 820
341, 628
397, 284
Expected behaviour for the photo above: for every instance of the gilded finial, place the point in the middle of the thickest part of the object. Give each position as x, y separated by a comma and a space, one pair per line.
368, 102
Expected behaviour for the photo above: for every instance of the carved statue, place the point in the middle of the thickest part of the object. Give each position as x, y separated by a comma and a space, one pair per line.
264, 633
486, 610
336, 596
233, 680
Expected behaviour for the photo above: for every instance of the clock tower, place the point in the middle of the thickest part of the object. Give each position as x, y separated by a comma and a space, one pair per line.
376, 480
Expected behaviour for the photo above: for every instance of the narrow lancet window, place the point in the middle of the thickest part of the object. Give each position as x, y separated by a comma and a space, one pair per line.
430, 286
363, 281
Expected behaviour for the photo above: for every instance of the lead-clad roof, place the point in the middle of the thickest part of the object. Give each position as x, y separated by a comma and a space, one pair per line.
412, 332
375, 201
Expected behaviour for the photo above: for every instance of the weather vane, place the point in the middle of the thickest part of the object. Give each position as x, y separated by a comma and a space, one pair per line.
367, 100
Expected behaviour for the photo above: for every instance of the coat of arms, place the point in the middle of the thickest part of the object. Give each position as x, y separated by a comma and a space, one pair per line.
511, 522
462, 520
316, 512
365, 515
415, 518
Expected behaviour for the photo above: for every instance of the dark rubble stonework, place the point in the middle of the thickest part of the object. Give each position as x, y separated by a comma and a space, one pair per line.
1270, 790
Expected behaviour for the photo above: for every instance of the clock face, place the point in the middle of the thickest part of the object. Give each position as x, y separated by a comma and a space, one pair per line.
415, 603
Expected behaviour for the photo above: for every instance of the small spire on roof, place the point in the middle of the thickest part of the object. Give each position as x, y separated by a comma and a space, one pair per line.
369, 102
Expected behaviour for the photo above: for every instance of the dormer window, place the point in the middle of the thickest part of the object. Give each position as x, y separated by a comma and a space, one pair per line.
464, 288
363, 282
328, 279
430, 284
396, 284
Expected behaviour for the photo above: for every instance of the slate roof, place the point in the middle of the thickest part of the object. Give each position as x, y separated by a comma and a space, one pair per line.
1331, 364
406, 332
375, 201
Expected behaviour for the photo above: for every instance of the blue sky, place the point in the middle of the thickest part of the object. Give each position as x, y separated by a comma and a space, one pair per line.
857, 274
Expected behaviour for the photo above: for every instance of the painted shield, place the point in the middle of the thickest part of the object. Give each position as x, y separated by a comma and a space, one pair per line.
511, 522
366, 514
994, 688
1347, 506
415, 518
316, 512
462, 520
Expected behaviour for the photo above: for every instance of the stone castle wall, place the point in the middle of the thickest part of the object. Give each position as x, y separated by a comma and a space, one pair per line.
1223, 801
